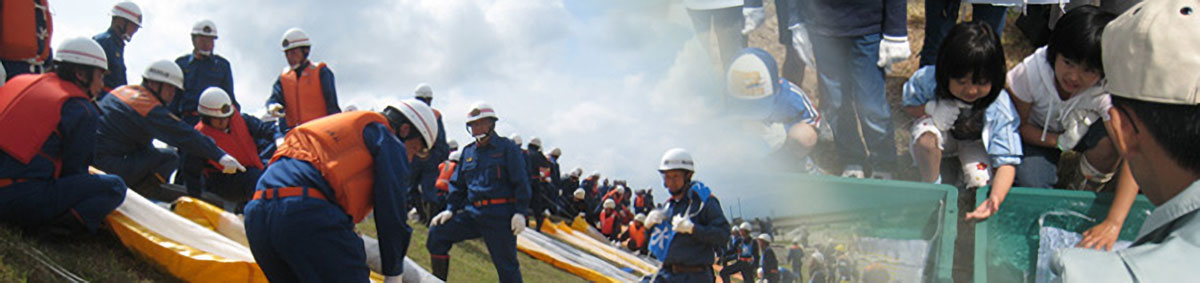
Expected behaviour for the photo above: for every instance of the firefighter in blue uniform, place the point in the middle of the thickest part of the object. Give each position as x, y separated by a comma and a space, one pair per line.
50, 128
689, 228
325, 177
306, 90
235, 132
742, 254
426, 169
202, 69
126, 20
489, 197
133, 115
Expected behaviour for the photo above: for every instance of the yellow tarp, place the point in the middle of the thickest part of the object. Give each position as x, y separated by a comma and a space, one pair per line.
578, 239
538, 252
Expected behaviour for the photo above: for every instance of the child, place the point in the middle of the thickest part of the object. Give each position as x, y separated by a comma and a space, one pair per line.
962, 109
1056, 91
787, 118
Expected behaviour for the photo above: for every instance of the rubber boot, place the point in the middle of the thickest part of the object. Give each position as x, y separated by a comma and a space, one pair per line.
440, 267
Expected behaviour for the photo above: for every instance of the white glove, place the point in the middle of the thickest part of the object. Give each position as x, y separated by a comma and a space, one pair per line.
682, 224
441, 218
802, 44
413, 215
546, 212
754, 18
760, 272
278, 142
654, 217
276, 110
943, 112
393, 279
775, 135
893, 49
518, 224
230, 165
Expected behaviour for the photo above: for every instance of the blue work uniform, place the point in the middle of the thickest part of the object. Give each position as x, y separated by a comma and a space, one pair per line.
198, 75
37, 197
305, 239
114, 48
123, 143
489, 173
232, 187
689, 257
327, 88
426, 174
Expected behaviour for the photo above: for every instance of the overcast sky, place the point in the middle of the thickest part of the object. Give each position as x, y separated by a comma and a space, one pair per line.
614, 83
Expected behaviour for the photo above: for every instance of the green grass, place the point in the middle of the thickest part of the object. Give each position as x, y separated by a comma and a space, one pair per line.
470, 262
97, 258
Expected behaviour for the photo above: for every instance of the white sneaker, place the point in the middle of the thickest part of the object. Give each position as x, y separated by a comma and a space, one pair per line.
853, 171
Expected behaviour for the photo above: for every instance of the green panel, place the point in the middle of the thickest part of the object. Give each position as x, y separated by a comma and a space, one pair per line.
1011, 236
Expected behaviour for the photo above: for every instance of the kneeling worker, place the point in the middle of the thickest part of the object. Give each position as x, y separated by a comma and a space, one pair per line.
235, 133
325, 177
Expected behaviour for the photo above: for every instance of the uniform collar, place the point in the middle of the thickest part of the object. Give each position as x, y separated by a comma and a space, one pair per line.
1186, 201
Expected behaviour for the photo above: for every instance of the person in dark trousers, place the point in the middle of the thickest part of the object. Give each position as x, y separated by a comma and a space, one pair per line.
697, 226
768, 264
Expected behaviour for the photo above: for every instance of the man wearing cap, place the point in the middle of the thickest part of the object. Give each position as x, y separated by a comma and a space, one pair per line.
1148, 53
49, 125
202, 69
425, 196
136, 114
489, 198
126, 20
689, 228
305, 91
234, 132
325, 177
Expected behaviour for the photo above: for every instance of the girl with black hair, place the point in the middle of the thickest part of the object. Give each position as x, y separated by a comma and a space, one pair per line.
962, 110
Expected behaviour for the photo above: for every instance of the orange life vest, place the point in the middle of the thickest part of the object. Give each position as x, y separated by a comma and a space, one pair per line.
137, 98
303, 99
30, 109
443, 179
619, 198
334, 145
19, 32
637, 232
237, 142
607, 221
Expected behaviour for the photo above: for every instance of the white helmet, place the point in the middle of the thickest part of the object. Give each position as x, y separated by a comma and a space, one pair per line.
639, 217
765, 237
164, 71
455, 156
295, 37
82, 51
610, 204
205, 28
595, 174
423, 91
580, 193
214, 102
745, 226
677, 158
535, 141
556, 152
516, 138
420, 115
481, 110
129, 11
453, 144
577, 172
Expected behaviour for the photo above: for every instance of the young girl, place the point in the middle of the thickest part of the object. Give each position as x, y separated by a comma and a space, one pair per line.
1057, 92
962, 109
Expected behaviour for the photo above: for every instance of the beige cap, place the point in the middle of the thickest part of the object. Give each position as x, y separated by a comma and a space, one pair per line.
1150, 52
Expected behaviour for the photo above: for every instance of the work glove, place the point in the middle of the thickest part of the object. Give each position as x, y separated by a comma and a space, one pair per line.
754, 17
413, 215
775, 135
760, 272
278, 142
943, 112
546, 212
394, 279
276, 110
893, 49
230, 165
802, 44
441, 218
518, 224
654, 217
682, 224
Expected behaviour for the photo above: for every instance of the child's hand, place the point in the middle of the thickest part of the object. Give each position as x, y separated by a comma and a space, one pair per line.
1102, 235
985, 210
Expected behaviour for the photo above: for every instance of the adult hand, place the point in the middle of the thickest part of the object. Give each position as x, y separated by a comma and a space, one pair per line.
893, 49
441, 218
518, 223
230, 165
682, 224
755, 16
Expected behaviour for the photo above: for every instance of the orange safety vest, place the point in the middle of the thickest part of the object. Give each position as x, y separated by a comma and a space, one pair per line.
443, 179
637, 232
303, 99
237, 142
334, 145
137, 98
30, 109
607, 222
19, 34
618, 198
